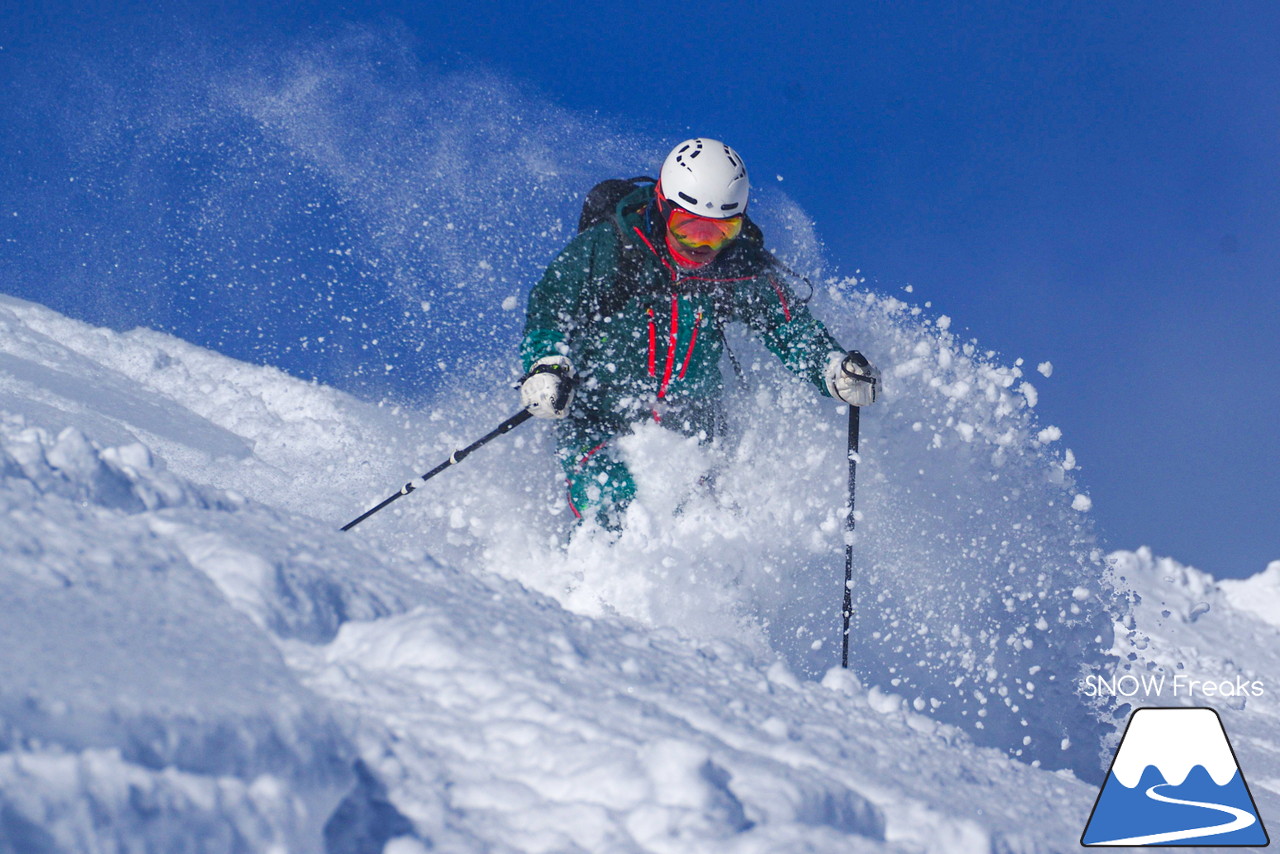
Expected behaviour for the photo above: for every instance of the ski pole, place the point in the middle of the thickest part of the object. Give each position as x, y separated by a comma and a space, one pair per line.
454, 458
848, 536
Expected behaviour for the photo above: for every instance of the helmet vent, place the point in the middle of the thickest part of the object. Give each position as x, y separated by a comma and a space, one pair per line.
688, 198
680, 155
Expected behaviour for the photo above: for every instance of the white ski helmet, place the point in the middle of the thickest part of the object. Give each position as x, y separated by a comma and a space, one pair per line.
706, 177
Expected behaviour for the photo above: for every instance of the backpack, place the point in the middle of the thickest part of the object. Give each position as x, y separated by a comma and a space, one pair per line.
599, 205
602, 199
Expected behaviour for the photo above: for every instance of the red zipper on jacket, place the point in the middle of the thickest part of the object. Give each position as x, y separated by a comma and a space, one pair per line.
671, 346
693, 339
653, 344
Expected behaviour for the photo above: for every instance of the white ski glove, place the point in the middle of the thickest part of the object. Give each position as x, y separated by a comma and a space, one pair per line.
852, 379
547, 390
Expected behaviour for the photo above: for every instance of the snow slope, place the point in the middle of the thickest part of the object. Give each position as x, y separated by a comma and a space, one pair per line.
196, 659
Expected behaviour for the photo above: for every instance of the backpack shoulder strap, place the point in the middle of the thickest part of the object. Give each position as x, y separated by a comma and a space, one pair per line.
628, 270
602, 200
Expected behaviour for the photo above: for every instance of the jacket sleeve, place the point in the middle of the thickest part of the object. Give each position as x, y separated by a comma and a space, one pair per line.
769, 307
556, 301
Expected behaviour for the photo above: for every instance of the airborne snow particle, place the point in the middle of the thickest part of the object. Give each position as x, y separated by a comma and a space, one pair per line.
1045, 368
1083, 503
1030, 393
509, 304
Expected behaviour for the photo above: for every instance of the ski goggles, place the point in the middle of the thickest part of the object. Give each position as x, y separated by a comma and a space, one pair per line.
693, 231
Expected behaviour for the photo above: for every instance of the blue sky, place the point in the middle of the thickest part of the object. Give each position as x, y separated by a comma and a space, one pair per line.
1093, 185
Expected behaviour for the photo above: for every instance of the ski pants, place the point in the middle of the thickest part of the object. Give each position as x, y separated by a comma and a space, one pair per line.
598, 483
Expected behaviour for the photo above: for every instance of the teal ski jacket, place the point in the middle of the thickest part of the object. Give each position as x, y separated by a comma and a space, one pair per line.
645, 334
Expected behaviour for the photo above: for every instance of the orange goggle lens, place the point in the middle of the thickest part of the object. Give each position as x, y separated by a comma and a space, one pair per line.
695, 231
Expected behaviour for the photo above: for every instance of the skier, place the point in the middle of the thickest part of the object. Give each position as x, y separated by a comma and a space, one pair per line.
626, 324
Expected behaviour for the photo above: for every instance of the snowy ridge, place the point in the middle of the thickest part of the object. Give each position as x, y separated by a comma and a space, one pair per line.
1258, 595
194, 655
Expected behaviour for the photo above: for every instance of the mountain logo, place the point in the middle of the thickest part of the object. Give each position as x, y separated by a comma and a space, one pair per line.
1175, 781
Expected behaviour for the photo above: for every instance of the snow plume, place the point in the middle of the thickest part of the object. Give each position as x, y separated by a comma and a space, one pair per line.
980, 590
462, 186
334, 206
980, 594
